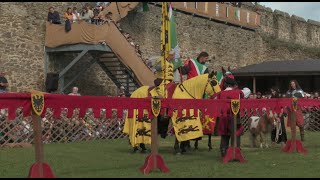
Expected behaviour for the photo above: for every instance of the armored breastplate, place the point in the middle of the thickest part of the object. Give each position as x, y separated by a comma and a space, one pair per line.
297, 93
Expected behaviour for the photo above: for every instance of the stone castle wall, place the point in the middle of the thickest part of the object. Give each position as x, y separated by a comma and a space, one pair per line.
22, 35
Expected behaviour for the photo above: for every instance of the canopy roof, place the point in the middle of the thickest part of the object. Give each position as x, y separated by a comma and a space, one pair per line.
287, 67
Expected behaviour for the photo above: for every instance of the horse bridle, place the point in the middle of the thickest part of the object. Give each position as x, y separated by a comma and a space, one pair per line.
209, 81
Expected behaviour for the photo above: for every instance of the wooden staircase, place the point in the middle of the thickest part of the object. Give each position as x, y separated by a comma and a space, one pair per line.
118, 72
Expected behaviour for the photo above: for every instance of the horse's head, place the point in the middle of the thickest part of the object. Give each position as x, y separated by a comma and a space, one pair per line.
213, 84
225, 73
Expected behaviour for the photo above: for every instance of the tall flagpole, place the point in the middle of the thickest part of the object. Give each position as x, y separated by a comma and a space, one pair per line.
164, 40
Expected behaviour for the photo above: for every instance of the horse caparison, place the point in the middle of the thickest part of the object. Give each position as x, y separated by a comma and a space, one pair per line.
193, 88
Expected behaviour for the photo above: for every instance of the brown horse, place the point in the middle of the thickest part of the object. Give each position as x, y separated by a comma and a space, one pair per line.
260, 126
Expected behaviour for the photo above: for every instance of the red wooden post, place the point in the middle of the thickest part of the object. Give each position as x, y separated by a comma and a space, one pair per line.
294, 144
154, 160
39, 169
234, 152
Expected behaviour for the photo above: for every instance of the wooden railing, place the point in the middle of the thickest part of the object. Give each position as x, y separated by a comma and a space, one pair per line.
220, 12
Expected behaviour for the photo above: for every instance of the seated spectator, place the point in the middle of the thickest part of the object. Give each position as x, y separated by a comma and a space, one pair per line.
74, 92
53, 16
137, 48
126, 35
118, 25
316, 95
75, 15
130, 40
149, 63
3, 83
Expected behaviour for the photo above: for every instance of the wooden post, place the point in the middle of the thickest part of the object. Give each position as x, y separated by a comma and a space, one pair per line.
234, 152
293, 143
154, 140
154, 160
254, 84
293, 127
234, 135
39, 169
38, 144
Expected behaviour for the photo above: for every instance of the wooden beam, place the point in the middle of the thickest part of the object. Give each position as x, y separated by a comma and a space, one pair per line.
72, 63
79, 73
79, 47
46, 64
254, 85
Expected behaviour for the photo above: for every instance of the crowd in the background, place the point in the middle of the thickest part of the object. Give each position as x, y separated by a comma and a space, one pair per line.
235, 4
268, 95
98, 15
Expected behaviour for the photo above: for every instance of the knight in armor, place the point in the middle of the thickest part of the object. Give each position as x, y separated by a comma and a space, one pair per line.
164, 75
295, 91
163, 82
225, 126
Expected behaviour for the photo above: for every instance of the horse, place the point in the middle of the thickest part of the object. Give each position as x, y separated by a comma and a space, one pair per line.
221, 76
190, 89
261, 126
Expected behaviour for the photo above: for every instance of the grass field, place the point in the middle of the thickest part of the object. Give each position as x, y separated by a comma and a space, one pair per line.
114, 158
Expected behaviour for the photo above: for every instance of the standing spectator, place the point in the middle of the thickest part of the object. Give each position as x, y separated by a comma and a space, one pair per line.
90, 12
53, 16
74, 92
69, 18
3, 83
84, 15
102, 13
87, 14
68, 14
252, 96
122, 91
108, 18
278, 133
296, 91
225, 125
259, 95
75, 14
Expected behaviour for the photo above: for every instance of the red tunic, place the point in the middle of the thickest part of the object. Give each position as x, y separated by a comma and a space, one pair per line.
299, 118
225, 122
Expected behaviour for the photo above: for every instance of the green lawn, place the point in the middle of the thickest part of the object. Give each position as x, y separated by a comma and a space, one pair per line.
114, 158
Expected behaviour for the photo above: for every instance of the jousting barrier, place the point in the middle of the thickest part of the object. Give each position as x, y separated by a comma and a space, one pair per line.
35, 103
